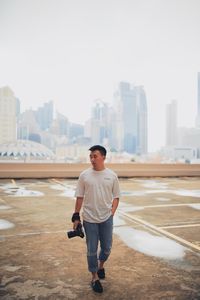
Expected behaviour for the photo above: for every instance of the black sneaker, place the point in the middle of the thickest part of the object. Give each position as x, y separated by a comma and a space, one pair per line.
96, 286
101, 273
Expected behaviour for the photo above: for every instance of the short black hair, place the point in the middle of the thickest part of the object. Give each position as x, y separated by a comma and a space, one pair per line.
100, 148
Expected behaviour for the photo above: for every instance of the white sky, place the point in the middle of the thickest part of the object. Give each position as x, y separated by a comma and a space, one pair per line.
75, 51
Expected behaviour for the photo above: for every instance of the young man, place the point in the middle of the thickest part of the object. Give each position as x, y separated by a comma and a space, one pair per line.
98, 192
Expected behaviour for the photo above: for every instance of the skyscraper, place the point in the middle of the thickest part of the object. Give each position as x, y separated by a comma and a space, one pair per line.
125, 99
131, 118
7, 115
142, 132
171, 123
97, 127
198, 101
27, 125
44, 115
60, 125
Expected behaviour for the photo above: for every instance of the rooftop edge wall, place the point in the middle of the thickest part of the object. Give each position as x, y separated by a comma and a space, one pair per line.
61, 170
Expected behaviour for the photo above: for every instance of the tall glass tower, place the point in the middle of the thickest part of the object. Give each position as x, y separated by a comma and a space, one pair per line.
44, 115
131, 121
171, 123
142, 128
125, 99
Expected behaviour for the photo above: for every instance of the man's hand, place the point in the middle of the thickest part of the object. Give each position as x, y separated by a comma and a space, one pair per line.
75, 224
114, 205
75, 220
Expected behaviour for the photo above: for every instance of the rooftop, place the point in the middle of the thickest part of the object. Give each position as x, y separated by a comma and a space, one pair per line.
155, 251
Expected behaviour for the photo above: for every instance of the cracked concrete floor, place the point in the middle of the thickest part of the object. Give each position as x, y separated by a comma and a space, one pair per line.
38, 261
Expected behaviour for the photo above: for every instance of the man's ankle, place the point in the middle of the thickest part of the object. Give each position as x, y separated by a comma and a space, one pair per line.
95, 276
101, 264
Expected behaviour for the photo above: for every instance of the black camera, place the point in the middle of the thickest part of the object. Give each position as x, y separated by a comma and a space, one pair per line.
77, 232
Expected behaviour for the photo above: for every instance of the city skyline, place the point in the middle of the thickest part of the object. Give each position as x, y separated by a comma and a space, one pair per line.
74, 53
111, 126
56, 114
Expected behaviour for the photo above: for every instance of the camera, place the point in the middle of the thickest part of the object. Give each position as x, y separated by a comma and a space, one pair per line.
77, 232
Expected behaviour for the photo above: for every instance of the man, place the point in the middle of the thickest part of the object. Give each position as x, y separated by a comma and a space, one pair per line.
98, 192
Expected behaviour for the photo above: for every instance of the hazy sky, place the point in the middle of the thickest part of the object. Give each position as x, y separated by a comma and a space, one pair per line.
73, 52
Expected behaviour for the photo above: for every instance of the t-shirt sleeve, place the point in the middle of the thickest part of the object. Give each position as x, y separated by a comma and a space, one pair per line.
80, 188
116, 188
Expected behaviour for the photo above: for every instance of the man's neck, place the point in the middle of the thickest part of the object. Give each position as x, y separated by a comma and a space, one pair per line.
100, 168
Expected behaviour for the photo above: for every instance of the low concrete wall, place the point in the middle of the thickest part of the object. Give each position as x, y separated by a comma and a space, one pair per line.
60, 170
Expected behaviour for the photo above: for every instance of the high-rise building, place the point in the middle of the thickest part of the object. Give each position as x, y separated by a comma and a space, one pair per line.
198, 101
7, 115
97, 127
112, 130
60, 126
75, 131
18, 107
27, 125
44, 115
94, 131
131, 118
171, 123
142, 133
117, 128
125, 100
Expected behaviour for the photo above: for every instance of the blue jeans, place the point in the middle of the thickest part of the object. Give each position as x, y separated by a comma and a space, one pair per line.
96, 232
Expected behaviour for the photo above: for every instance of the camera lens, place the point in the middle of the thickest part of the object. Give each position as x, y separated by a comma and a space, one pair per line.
71, 234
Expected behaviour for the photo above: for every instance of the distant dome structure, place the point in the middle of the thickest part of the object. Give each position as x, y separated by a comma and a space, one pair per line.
25, 149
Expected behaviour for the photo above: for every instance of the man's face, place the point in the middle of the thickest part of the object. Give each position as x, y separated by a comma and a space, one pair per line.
96, 159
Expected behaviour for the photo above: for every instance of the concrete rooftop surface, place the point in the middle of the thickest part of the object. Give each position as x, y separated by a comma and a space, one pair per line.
156, 242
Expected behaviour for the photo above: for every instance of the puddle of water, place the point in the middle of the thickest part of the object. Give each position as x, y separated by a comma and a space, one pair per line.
6, 187
133, 193
159, 191
125, 207
68, 191
117, 221
24, 193
57, 187
4, 224
149, 244
195, 206
144, 192
154, 184
162, 199
163, 190
4, 207
188, 193
17, 191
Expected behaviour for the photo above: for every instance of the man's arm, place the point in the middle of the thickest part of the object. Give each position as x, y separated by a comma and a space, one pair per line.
78, 205
114, 205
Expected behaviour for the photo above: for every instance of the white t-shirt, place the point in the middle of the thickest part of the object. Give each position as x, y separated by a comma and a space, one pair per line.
98, 188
